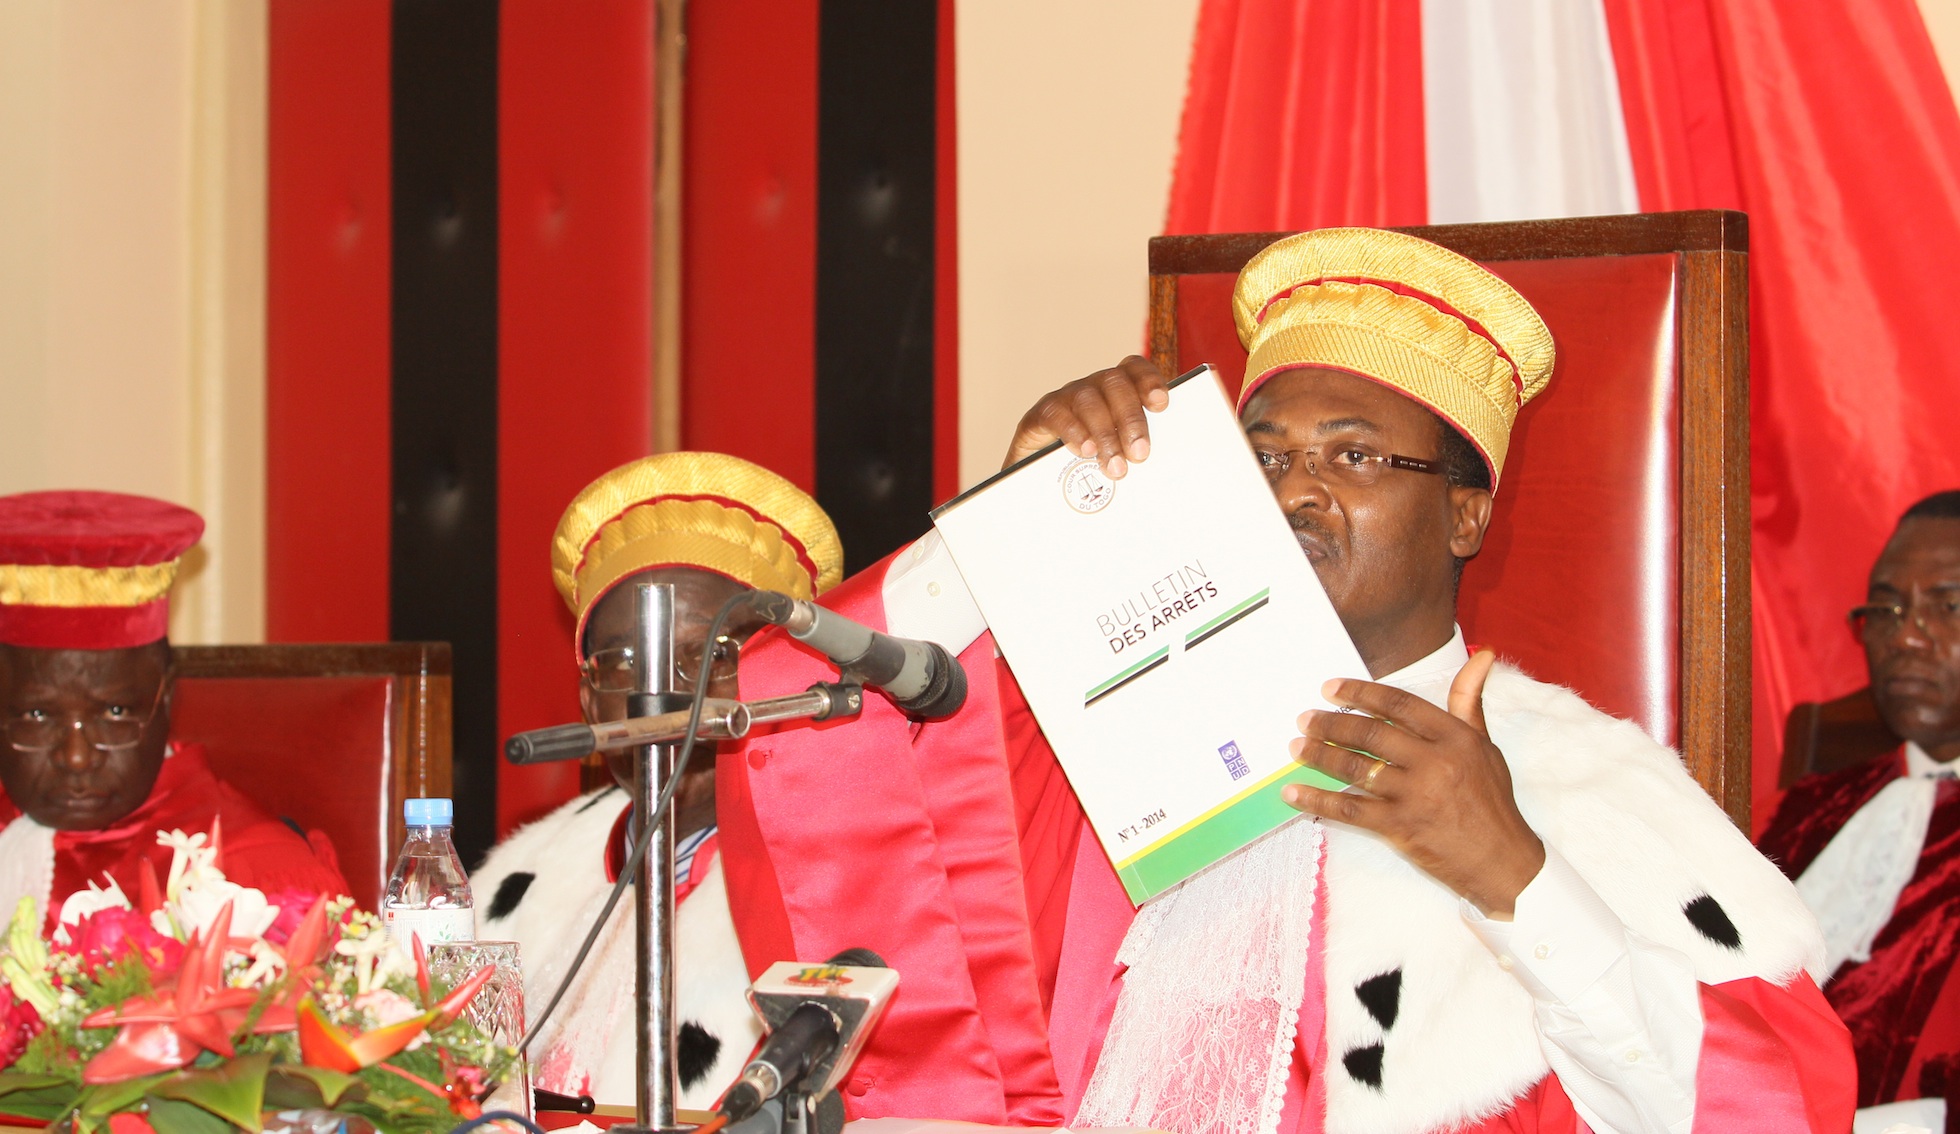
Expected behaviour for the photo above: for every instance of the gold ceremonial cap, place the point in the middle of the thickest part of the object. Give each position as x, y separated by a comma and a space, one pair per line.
708, 511
1401, 311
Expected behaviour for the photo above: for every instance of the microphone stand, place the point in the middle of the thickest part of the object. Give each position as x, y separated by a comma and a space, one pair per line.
656, 1037
656, 1027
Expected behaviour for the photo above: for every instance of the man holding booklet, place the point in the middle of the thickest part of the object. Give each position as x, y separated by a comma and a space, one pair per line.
1523, 915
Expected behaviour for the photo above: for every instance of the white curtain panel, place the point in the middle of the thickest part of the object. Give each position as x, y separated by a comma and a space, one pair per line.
1522, 109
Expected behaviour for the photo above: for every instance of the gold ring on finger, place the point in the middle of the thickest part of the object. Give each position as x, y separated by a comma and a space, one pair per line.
1368, 781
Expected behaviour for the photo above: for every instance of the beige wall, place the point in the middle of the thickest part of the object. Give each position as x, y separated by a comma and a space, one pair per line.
1068, 114
132, 204
132, 161
1943, 22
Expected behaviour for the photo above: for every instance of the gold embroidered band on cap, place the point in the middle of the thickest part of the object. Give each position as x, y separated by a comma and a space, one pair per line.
27, 584
691, 533
708, 511
1401, 311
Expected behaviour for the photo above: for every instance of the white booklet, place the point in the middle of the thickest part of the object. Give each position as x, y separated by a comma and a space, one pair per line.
1167, 629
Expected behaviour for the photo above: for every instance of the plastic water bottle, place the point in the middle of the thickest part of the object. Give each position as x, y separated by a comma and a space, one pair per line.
428, 894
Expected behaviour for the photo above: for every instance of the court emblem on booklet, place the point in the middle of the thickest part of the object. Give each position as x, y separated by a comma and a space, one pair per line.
1085, 487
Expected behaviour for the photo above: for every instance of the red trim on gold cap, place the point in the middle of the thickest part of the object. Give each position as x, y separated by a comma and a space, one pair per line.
803, 558
1399, 288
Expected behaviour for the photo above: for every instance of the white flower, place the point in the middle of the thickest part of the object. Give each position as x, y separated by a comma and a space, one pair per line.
193, 860
375, 959
82, 903
193, 908
266, 965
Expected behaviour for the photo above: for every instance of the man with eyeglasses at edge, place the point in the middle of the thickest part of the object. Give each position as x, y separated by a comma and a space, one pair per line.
1525, 916
91, 773
712, 526
1875, 848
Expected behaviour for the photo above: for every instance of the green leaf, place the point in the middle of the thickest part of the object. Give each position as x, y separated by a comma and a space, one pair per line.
234, 1092
311, 1086
173, 1116
11, 1081
42, 1097
104, 1099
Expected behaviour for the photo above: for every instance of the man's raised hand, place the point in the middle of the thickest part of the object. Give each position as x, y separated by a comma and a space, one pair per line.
1100, 416
1440, 791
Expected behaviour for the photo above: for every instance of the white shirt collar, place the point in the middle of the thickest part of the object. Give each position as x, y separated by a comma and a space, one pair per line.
1430, 677
1920, 764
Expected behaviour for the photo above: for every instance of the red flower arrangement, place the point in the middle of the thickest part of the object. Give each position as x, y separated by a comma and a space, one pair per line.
212, 1002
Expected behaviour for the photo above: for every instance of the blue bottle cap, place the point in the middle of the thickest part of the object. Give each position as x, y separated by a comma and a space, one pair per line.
428, 812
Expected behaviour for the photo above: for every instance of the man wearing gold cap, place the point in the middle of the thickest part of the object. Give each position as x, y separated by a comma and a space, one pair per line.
91, 774
711, 526
1526, 916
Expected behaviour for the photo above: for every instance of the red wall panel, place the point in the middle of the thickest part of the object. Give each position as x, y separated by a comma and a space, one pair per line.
748, 368
575, 328
327, 326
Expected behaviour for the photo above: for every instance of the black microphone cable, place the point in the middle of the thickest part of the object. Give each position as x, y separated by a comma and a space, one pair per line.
647, 825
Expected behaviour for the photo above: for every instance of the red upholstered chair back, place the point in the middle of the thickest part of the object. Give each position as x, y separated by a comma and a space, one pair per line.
1830, 736
330, 737
1618, 557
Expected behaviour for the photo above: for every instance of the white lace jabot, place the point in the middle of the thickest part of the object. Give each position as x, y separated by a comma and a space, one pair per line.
1855, 882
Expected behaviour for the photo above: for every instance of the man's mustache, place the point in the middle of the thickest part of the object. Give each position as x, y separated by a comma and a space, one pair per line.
1304, 524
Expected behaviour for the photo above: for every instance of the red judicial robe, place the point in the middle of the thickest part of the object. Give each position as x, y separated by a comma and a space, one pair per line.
957, 850
1903, 1005
259, 851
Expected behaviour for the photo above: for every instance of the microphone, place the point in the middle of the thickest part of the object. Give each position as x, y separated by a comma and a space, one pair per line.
922, 678
819, 1018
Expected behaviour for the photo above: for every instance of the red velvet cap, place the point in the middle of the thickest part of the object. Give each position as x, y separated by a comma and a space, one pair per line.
89, 570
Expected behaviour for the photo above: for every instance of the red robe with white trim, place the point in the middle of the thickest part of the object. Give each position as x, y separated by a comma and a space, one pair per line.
956, 850
1902, 1005
259, 851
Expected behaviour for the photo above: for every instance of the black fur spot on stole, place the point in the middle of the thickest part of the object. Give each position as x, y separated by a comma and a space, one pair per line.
1381, 996
510, 892
698, 1050
1365, 1064
1707, 915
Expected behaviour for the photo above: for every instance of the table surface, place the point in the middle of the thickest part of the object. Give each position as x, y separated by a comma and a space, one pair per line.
609, 1115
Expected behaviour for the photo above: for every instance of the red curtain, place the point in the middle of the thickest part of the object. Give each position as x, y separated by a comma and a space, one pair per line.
1301, 114
1832, 125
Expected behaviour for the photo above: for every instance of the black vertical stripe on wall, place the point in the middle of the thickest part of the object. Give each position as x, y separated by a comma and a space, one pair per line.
877, 81
443, 558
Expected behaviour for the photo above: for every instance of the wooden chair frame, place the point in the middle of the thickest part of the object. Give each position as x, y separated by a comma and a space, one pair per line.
421, 672
1713, 330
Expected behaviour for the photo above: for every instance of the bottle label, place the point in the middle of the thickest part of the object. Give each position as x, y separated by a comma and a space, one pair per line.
434, 926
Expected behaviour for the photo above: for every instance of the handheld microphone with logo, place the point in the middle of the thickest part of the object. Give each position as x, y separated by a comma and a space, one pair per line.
922, 678
818, 1018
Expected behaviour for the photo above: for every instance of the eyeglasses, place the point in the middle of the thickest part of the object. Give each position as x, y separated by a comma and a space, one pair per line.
1938, 614
617, 670
109, 729
1343, 463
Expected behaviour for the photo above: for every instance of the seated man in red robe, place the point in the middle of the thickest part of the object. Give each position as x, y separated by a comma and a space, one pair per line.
1875, 849
1526, 917
90, 773
711, 526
